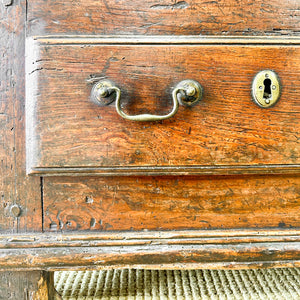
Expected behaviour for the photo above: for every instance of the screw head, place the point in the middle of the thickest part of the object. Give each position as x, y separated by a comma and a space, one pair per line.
15, 210
273, 87
190, 91
102, 92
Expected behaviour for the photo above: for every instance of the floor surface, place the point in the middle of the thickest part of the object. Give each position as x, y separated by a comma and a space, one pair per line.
126, 284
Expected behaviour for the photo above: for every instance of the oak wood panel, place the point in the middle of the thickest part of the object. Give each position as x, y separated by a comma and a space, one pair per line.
66, 130
168, 203
199, 17
15, 187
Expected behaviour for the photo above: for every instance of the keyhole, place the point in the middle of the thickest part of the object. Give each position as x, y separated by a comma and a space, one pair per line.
267, 90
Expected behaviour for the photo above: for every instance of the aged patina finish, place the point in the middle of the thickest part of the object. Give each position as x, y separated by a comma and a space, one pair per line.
215, 186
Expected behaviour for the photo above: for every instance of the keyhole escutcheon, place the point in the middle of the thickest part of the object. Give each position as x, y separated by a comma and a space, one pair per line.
266, 88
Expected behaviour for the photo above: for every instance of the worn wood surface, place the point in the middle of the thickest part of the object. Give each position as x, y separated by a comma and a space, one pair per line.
200, 17
145, 203
153, 256
15, 187
147, 237
152, 249
67, 130
27, 285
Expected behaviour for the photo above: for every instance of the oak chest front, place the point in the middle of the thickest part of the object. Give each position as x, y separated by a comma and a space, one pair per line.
222, 163
145, 142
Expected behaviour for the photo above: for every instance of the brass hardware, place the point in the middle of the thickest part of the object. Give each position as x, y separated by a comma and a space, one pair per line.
186, 92
266, 88
190, 92
101, 93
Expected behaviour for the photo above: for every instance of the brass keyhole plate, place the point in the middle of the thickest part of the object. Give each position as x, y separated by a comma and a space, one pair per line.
266, 88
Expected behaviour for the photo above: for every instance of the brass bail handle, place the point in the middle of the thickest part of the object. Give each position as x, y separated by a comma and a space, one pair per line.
187, 92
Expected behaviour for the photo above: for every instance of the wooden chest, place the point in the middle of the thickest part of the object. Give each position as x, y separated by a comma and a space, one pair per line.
102, 175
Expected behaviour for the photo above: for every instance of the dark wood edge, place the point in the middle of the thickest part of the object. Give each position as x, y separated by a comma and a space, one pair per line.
173, 249
233, 265
166, 40
184, 266
167, 170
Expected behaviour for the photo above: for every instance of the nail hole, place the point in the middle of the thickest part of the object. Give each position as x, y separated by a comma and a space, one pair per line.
92, 222
89, 200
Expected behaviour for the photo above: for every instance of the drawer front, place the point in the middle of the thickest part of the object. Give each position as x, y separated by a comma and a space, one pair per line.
197, 17
167, 203
226, 132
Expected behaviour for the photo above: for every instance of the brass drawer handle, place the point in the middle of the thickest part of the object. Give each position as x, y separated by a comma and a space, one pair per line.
187, 93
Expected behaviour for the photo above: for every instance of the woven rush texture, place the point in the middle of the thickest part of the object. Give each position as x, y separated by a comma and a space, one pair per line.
270, 284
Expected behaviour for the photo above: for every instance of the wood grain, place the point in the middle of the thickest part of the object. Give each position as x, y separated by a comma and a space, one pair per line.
66, 133
161, 17
171, 203
15, 187
153, 249
154, 257
66, 130
146, 237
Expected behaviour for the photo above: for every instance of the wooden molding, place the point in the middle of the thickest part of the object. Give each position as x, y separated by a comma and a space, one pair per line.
169, 170
154, 249
167, 40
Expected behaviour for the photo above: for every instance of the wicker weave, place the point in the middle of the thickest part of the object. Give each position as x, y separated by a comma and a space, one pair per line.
180, 284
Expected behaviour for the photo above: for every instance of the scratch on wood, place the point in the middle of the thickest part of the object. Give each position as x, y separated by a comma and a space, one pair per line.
177, 5
38, 69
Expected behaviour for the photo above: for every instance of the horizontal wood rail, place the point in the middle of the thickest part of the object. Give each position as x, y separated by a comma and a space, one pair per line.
154, 249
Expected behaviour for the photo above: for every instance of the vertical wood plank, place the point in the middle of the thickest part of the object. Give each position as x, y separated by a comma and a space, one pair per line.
16, 190
31, 285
